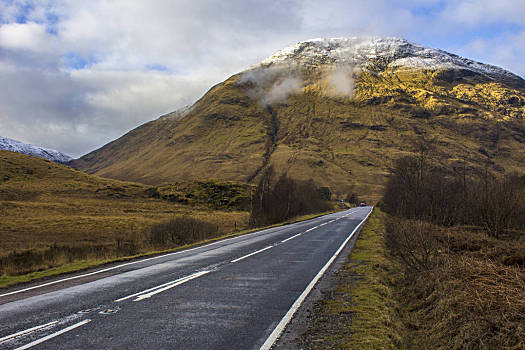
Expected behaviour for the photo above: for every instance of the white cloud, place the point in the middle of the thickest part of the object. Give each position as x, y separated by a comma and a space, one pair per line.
281, 90
26, 36
78, 74
273, 84
485, 11
341, 81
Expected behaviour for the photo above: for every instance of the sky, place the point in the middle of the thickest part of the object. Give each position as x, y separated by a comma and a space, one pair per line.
75, 75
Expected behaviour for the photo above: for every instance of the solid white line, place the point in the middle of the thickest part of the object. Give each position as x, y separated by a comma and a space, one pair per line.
287, 318
149, 295
41, 340
27, 331
182, 279
248, 255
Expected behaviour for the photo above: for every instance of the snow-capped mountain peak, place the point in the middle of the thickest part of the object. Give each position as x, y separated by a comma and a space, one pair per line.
45, 153
369, 52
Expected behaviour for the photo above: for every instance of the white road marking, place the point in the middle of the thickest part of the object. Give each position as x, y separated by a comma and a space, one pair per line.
56, 334
289, 238
27, 331
132, 263
286, 319
248, 255
126, 264
313, 228
149, 295
140, 261
163, 287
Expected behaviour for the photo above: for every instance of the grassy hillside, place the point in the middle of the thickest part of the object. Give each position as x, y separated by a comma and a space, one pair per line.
45, 204
345, 143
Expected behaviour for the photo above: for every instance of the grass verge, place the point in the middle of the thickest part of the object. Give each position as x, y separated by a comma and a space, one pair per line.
375, 324
359, 311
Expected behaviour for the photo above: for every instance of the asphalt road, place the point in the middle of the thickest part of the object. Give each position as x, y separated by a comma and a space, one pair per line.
237, 293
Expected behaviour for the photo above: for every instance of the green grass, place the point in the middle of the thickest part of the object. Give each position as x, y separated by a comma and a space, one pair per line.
359, 311
375, 324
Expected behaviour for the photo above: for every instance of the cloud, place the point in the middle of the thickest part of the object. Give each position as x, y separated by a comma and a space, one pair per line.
272, 84
81, 73
478, 12
281, 90
497, 51
26, 36
341, 81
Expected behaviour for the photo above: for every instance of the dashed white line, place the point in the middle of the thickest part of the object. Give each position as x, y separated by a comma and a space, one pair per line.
56, 334
248, 255
129, 263
140, 261
294, 236
27, 331
162, 287
286, 319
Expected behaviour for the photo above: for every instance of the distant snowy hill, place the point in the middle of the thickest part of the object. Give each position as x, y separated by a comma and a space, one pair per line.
20, 147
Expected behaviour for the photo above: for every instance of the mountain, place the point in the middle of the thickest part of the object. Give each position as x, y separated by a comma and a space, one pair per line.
45, 153
338, 111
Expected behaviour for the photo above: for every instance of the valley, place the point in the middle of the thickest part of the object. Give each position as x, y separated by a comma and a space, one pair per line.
48, 207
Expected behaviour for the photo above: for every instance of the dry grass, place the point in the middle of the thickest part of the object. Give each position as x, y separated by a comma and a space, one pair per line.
54, 219
412, 285
79, 222
52, 209
467, 295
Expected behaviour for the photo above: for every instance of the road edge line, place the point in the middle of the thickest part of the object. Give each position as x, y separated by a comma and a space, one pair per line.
276, 333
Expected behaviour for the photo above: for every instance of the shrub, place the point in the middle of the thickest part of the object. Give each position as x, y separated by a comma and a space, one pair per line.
420, 191
412, 242
182, 230
458, 290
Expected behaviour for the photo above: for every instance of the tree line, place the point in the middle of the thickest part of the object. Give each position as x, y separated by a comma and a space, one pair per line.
277, 199
417, 189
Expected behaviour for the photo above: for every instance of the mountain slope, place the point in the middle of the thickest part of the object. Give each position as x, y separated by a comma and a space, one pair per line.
45, 153
43, 204
338, 111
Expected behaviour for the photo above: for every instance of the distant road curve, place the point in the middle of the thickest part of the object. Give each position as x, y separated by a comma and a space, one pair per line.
238, 293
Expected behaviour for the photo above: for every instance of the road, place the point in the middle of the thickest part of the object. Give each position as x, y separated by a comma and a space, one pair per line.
237, 293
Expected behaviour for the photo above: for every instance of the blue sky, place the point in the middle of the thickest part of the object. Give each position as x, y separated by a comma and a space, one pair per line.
81, 73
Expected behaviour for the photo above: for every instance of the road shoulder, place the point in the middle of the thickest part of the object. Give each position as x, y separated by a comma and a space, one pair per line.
353, 307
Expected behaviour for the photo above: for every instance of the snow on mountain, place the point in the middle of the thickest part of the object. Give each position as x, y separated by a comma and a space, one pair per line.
369, 52
20, 147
